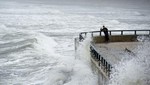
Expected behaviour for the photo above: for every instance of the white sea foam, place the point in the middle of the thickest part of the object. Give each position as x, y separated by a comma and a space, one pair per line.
41, 38
82, 66
134, 70
45, 44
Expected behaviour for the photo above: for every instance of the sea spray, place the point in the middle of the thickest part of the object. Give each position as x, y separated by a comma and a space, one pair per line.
134, 70
45, 43
84, 48
82, 66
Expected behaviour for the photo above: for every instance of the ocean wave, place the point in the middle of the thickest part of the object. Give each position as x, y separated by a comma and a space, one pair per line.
13, 42
16, 46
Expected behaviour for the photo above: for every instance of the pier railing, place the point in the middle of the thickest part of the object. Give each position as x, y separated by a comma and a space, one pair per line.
83, 35
102, 63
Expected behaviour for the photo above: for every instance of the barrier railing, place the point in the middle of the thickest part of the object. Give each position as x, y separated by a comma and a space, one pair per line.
102, 63
83, 35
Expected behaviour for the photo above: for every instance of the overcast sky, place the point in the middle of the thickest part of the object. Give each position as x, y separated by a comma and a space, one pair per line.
116, 3
101, 3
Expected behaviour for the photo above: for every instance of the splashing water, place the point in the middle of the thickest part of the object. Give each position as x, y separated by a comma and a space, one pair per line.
134, 70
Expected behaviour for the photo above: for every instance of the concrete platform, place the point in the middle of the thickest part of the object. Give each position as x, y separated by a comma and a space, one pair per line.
114, 52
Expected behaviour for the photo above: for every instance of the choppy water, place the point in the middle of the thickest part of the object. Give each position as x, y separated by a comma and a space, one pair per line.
37, 41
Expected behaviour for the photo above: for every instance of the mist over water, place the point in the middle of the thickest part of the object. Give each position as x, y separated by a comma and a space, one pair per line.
37, 39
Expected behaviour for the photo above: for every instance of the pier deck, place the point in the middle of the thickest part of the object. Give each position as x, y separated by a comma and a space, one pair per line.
114, 52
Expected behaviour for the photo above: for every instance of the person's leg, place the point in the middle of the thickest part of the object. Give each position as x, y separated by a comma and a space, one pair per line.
106, 38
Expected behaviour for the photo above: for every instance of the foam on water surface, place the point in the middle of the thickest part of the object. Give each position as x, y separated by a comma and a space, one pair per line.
37, 41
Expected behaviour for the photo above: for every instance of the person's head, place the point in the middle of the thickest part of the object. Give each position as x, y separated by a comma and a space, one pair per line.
103, 26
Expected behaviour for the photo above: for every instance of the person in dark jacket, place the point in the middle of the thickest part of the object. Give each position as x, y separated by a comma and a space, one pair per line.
105, 30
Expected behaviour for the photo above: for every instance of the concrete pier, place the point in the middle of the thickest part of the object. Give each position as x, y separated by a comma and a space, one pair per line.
113, 52
104, 55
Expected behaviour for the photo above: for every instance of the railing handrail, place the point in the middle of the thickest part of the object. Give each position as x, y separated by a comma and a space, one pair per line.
103, 63
111, 31
114, 31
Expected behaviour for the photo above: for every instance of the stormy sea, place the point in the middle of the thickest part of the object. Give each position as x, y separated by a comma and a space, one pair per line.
37, 41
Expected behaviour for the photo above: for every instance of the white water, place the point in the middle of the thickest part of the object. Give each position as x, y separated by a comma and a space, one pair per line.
134, 70
37, 40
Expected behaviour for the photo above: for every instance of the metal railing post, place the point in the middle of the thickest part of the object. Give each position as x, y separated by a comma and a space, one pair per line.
100, 33
85, 34
110, 32
135, 32
121, 32
92, 34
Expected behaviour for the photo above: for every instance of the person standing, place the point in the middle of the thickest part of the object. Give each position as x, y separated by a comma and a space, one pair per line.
105, 30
